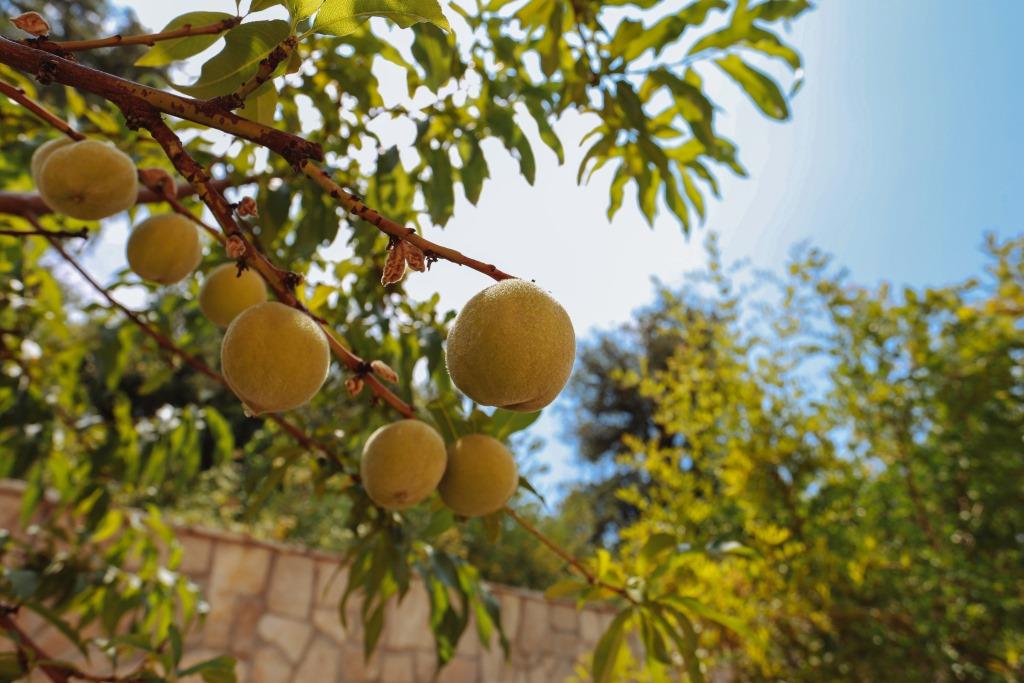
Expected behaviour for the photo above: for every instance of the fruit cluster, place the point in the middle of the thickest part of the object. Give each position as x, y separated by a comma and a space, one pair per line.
511, 346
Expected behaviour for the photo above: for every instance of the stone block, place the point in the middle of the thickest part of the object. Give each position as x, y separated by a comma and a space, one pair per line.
291, 585
590, 627
511, 606
270, 666
330, 583
291, 635
493, 666
533, 627
397, 667
327, 622
243, 634
460, 670
195, 554
355, 669
564, 618
320, 663
408, 622
238, 569
216, 633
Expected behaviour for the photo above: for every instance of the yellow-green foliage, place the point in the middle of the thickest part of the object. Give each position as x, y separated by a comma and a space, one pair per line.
226, 293
87, 180
164, 248
511, 346
402, 463
480, 478
274, 357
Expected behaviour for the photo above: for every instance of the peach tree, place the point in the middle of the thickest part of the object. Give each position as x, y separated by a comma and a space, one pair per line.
271, 197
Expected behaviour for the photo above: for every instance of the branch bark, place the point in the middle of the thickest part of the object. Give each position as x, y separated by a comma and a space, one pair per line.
49, 67
29, 202
18, 95
62, 46
195, 363
264, 73
57, 674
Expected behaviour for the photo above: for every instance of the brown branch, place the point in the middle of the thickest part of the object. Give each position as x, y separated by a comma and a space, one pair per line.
82, 234
173, 349
572, 561
18, 95
49, 67
358, 208
293, 148
264, 73
57, 674
29, 202
62, 46
280, 281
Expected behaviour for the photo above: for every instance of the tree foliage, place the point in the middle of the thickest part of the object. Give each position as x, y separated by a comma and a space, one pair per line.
837, 476
108, 415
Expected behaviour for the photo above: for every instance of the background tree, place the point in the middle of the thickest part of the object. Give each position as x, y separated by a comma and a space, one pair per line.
116, 411
836, 476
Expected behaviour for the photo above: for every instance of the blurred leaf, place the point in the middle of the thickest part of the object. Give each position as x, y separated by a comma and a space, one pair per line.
167, 51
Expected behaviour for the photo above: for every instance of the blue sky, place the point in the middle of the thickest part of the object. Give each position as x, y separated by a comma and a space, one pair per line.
902, 153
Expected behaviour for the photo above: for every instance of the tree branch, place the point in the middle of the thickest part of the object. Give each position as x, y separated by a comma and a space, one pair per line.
18, 95
572, 561
48, 67
264, 73
358, 208
173, 349
281, 282
82, 234
57, 674
293, 148
62, 46
29, 202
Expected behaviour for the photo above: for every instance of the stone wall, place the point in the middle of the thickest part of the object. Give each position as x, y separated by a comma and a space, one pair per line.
275, 608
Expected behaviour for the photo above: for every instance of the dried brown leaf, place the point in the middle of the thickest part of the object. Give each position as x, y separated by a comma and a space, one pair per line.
394, 266
414, 256
354, 386
32, 22
247, 208
235, 247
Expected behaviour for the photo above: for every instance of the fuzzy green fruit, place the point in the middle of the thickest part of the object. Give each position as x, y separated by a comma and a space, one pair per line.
87, 180
402, 463
226, 293
43, 153
511, 346
274, 357
164, 248
480, 478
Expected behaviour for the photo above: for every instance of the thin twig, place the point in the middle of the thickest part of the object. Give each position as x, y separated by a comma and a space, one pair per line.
57, 674
30, 202
280, 281
264, 72
358, 208
18, 95
572, 561
60, 46
170, 347
81, 234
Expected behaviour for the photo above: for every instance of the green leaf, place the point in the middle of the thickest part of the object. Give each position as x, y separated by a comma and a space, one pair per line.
525, 484
342, 17
301, 9
608, 648
759, 87
217, 670
702, 610
564, 588
261, 105
24, 583
244, 47
10, 667
505, 423
168, 51
616, 191
110, 525
474, 169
